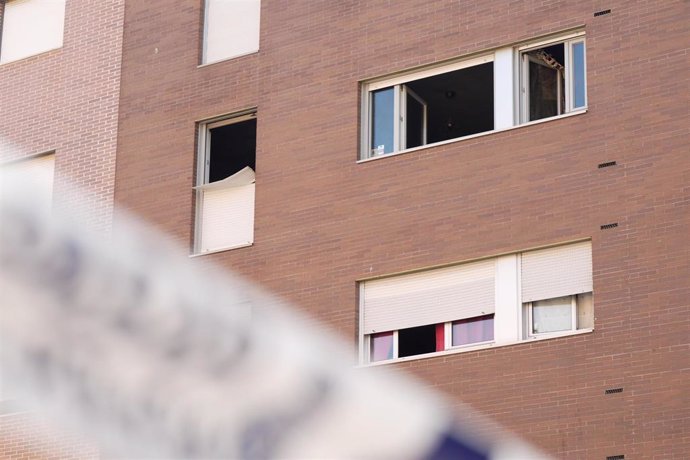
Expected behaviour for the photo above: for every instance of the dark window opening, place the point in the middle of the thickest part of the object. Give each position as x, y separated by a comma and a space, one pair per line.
546, 83
416, 340
458, 104
232, 147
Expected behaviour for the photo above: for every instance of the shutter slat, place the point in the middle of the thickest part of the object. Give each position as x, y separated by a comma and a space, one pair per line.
557, 272
429, 297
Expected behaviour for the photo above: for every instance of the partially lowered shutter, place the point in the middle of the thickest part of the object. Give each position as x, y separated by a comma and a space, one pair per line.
30, 27
557, 272
227, 217
34, 177
231, 28
429, 297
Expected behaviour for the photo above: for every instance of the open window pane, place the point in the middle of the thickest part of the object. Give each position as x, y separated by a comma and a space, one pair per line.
415, 120
546, 82
578, 51
552, 315
473, 330
417, 340
381, 347
459, 103
382, 119
431, 109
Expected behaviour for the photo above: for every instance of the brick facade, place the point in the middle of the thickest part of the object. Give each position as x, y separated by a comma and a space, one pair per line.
66, 101
324, 221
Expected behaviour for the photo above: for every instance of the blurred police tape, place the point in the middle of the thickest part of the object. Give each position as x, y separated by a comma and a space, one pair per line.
125, 341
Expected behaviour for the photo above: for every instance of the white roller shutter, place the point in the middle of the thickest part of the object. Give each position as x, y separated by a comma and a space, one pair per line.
231, 28
557, 272
429, 297
34, 177
227, 212
30, 27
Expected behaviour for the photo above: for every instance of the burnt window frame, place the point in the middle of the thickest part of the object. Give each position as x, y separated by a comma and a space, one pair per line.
568, 41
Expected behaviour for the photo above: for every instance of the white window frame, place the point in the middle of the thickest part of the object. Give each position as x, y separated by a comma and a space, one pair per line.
511, 323
447, 343
404, 92
203, 169
449, 336
523, 63
367, 345
530, 320
399, 103
510, 101
367, 349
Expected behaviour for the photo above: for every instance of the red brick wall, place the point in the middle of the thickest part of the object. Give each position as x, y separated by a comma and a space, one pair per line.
323, 221
66, 100
26, 436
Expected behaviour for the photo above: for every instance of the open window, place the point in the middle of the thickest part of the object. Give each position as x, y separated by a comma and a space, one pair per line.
474, 95
552, 78
30, 27
428, 311
537, 294
428, 106
557, 290
558, 315
225, 183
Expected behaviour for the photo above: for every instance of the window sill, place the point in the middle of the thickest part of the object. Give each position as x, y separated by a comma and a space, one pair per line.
474, 136
215, 251
206, 64
479, 346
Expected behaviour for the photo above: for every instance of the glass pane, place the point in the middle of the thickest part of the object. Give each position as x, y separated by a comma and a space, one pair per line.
585, 311
543, 91
473, 330
415, 122
578, 75
552, 315
381, 346
382, 120
546, 83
